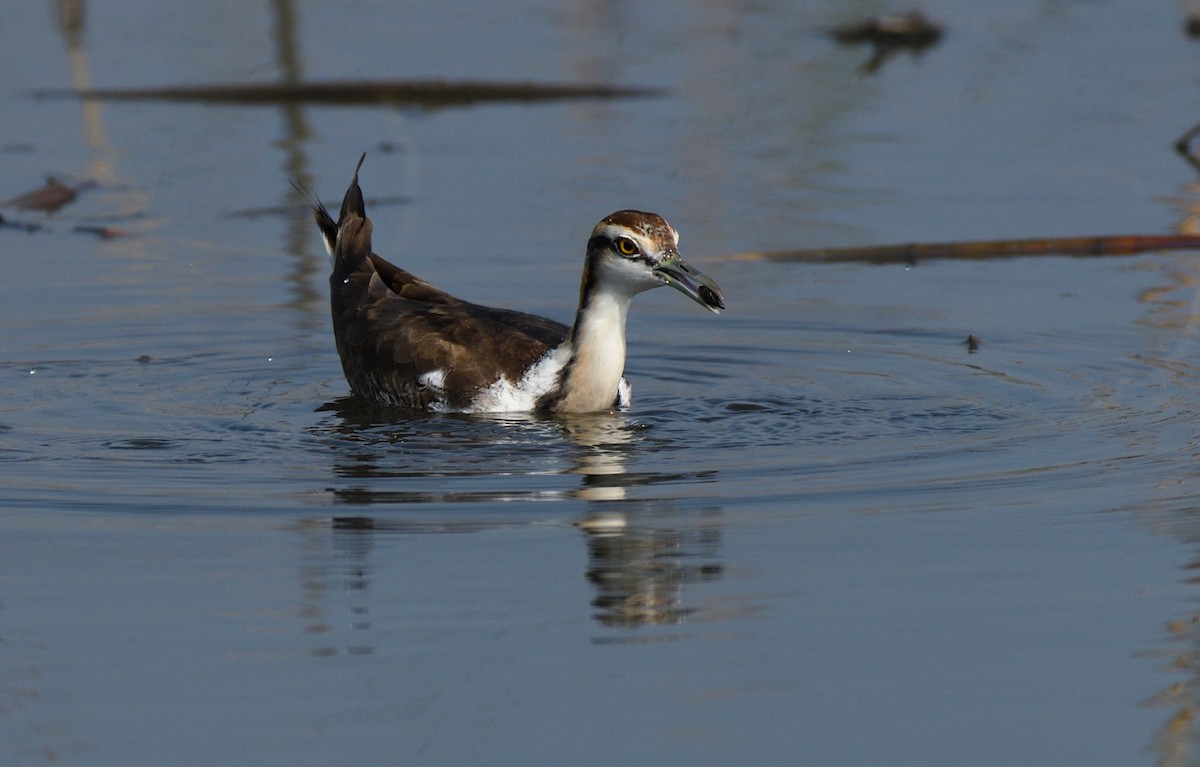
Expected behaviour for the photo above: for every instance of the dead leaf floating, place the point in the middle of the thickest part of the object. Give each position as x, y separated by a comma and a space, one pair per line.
49, 198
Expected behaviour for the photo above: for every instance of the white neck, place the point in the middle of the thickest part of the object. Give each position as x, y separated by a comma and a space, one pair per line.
598, 354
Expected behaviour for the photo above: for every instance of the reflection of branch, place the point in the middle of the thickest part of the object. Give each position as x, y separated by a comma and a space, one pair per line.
71, 17
295, 163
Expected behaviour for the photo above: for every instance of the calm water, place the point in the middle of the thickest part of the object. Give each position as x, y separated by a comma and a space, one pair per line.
826, 532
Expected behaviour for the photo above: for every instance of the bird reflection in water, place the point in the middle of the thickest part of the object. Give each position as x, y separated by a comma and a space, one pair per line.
335, 588
639, 571
639, 558
641, 549
1176, 741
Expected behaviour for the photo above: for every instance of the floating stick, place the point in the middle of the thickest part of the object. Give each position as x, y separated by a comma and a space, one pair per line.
426, 93
1079, 247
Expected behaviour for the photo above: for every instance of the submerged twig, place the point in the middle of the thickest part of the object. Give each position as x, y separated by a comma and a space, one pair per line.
1113, 245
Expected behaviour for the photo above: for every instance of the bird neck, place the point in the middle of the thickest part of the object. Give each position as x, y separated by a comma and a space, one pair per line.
597, 340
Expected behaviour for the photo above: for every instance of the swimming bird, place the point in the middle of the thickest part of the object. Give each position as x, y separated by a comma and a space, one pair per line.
404, 342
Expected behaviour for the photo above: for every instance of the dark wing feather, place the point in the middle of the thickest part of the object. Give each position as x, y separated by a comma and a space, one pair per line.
392, 328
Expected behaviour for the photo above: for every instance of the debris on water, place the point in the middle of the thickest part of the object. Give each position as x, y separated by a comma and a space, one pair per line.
972, 343
889, 33
143, 359
1191, 25
20, 226
103, 232
48, 198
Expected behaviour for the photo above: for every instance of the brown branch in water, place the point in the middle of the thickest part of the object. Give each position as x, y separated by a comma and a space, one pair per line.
423, 93
1082, 247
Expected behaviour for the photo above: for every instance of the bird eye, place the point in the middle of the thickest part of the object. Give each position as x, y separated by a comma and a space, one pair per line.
626, 246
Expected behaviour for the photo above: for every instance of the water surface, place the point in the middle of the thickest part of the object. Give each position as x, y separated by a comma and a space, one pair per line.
826, 532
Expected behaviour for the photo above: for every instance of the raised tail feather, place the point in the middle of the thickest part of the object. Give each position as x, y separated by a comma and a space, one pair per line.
353, 246
352, 203
350, 243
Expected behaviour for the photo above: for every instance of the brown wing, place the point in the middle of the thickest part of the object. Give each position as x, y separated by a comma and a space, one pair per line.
406, 285
393, 329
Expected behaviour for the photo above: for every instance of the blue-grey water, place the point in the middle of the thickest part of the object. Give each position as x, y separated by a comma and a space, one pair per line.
825, 533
